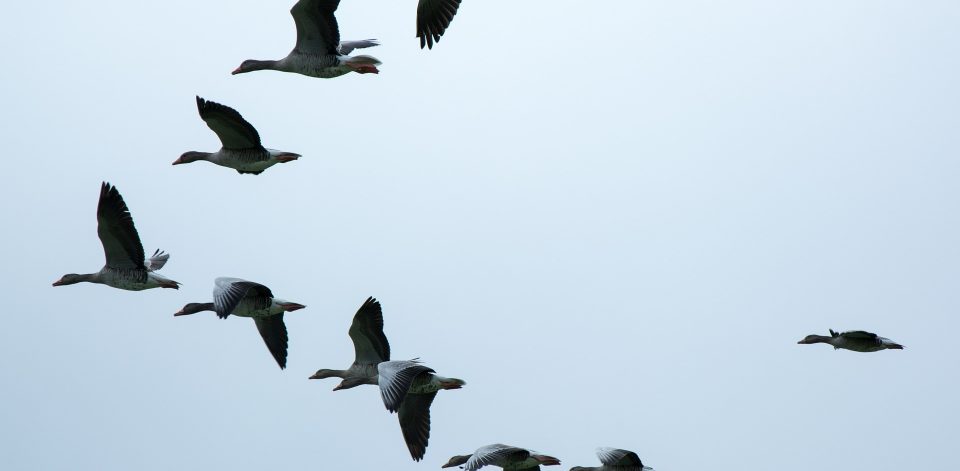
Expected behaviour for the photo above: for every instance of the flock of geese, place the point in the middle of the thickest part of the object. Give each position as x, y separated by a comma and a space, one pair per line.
407, 387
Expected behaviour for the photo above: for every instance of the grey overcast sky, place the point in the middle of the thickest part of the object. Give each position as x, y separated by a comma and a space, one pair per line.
613, 219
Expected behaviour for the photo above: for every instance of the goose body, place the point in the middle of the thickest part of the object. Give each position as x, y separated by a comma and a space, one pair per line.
248, 299
615, 459
318, 51
241, 148
126, 266
370, 348
408, 388
510, 458
854, 340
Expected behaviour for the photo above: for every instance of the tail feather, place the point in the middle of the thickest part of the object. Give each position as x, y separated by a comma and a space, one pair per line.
363, 64
547, 460
452, 383
363, 59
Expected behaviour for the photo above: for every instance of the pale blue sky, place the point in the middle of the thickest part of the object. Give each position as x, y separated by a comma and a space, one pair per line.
614, 220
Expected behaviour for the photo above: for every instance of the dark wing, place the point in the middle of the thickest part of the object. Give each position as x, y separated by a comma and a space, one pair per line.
234, 131
274, 333
414, 417
859, 334
395, 380
621, 458
317, 31
497, 454
121, 243
369, 342
433, 18
228, 293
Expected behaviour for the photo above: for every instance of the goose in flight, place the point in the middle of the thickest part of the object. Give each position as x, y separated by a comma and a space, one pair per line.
126, 267
370, 348
248, 299
319, 51
433, 19
241, 149
510, 458
408, 388
855, 340
615, 459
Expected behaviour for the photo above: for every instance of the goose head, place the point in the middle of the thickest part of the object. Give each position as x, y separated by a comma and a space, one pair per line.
191, 156
321, 374
456, 461
193, 308
350, 382
70, 278
251, 65
813, 339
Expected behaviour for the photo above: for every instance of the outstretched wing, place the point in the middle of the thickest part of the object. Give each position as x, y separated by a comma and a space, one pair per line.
228, 292
317, 31
433, 18
157, 260
121, 243
414, 415
234, 131
369, 342
395, 380
274, 333
496, 454
346, 47
617, 457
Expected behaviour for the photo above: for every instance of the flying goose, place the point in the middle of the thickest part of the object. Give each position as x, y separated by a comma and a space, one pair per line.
370, 348
126, 267
433, 18
241, 149
510, 458
248, 299
318, 52
855, 340
408, 388
614, 459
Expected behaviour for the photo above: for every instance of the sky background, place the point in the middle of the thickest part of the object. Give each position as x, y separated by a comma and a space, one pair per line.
614, 220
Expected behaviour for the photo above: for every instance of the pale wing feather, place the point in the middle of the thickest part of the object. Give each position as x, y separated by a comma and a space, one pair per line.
346, 47
395, 380
228, 292
157, 260
618, 457
497, 454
